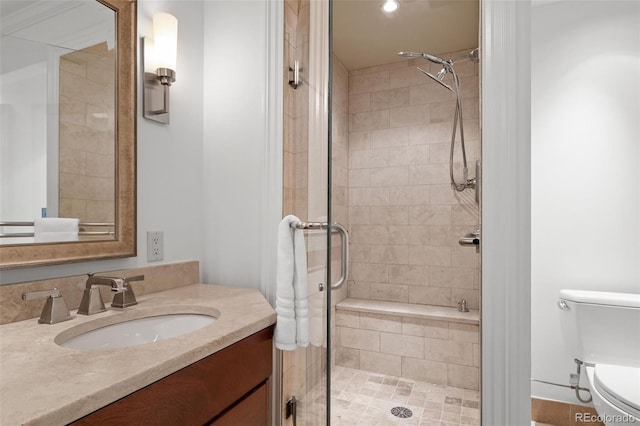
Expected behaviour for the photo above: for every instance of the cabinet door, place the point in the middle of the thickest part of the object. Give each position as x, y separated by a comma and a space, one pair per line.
197, 393
252, 410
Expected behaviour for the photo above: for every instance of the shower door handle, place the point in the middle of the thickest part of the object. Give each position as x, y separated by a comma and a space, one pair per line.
344, 239
344, 268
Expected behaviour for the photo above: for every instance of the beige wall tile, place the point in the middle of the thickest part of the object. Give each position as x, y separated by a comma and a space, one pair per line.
387, 99
442, 111
409, 274
369, 120
378, 196
359, 253
425, 328
347, 357
347, 319
370, 272
429, 174
463, 377
405, 77
359, 140
369, 82
389, 292
380, 363
464, 215
420, 369
385, 138
369, 234
359, 178
389, 215
387, 323
430, 295
411, 195
429, 93
389, 176
358, 289
409, 155
477, 356
431, 133
369, 158
400, 344
430, 215
360, 339
359, 103
412, 235
453, 277
409, 116
430, 255
394, 255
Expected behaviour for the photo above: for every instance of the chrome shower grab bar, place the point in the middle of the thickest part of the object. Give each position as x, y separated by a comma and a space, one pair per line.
344, 268
344, 239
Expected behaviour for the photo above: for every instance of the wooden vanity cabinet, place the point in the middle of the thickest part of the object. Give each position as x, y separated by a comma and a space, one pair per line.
229, 387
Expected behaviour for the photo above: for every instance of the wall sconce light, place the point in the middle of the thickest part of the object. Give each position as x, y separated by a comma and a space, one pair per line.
390, 6
159, 61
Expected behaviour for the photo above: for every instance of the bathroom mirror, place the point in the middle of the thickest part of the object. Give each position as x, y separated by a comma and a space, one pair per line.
97, 61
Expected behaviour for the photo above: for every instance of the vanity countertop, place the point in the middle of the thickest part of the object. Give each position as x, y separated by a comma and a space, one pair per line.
43, 383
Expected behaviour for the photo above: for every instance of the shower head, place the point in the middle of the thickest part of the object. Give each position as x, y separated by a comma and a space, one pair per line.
438, 78
432, 58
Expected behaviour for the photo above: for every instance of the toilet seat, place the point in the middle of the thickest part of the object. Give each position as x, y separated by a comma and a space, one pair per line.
620, 386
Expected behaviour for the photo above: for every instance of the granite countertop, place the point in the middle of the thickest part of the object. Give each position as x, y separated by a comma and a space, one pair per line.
43, 383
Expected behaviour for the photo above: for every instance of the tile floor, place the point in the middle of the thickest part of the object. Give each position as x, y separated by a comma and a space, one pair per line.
363, 398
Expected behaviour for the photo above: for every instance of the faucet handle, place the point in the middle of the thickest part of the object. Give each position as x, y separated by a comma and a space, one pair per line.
127, 297
55, 309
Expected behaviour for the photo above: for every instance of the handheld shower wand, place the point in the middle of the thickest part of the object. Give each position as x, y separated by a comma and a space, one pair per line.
432, 58
447, 67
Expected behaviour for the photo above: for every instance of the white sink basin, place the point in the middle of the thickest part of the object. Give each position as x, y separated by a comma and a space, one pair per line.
138, 331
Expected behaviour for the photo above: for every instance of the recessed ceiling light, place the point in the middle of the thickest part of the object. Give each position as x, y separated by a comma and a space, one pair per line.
390, 6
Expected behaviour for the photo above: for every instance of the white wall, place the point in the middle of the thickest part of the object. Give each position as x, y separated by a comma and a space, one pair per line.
585, 165
235, 141
170, 166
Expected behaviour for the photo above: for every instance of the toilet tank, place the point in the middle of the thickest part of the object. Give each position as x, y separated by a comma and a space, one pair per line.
601, 327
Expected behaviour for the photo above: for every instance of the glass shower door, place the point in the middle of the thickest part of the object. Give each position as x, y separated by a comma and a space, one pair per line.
306, 189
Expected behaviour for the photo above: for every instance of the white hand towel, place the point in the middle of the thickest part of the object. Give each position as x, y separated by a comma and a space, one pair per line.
47, 229
292, 325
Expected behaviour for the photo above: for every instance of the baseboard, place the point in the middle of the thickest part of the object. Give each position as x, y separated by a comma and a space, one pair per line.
558, 413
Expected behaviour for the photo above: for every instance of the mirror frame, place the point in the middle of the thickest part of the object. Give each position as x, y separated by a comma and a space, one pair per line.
124, 245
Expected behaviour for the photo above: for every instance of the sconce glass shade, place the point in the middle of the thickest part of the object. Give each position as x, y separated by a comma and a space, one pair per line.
390, 6
165, 49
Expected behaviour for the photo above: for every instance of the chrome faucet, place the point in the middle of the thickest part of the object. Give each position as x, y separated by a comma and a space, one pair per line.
92, 300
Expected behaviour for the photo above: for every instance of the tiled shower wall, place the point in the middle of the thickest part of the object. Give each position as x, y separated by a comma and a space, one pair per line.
404, 218
87, 123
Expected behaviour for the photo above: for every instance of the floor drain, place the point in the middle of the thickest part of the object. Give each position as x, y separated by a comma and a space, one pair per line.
402, 412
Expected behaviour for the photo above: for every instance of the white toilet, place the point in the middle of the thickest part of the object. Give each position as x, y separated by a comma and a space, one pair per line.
603, 330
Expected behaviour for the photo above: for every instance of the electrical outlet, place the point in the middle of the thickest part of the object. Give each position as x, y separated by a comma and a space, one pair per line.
155, 246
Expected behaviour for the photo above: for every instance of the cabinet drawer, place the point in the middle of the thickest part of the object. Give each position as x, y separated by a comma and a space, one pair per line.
197, 393
252, 410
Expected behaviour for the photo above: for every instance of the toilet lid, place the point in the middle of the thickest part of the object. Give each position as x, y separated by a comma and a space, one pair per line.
620, 384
